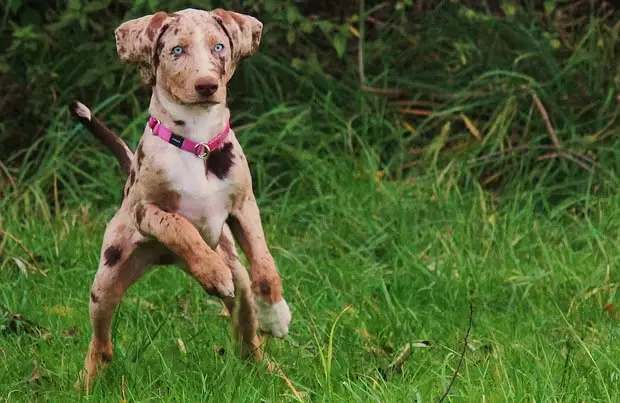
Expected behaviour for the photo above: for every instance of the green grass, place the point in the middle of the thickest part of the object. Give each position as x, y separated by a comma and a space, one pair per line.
405, 257
375, 252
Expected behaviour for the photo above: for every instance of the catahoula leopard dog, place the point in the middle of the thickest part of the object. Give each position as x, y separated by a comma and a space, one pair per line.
188, 196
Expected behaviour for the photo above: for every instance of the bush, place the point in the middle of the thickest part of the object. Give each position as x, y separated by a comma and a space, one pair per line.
474, 87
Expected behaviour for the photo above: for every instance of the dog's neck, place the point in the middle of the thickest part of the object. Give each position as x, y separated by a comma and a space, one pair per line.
199, 123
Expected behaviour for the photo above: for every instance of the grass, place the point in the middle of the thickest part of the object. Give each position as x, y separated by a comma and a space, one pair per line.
385, 226
405, 257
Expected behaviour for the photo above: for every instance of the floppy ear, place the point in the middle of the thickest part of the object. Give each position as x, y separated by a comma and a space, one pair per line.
244, 32
136, 43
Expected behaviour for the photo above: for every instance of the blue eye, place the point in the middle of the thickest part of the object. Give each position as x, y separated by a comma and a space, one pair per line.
219, 47
177, 50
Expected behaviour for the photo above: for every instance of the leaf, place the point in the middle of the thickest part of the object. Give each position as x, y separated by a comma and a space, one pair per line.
549, 6
14, 5
471, 127
181, 345
22, 265
339, 42
290, 37
306, 26
292, 14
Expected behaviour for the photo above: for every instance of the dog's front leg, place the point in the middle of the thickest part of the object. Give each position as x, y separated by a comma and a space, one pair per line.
183, 239
273, 312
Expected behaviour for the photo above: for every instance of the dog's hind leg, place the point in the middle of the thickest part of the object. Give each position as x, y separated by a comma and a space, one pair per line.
241, 308
124, 258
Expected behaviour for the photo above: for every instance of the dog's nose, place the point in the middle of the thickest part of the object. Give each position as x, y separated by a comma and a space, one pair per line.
206, 86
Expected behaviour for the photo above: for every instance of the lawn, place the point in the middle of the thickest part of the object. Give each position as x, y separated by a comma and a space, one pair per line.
378, 254
405, 258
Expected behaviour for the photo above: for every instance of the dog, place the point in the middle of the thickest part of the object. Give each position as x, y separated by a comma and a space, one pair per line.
188, 196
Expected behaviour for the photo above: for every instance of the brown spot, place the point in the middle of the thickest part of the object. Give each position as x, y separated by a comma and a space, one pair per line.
159, 44
94, 297
220, 161
139, 155
168, 200
256, 38
221, 65
132, 178
139, 214
106, 357
155, 24
112, 255
265, 287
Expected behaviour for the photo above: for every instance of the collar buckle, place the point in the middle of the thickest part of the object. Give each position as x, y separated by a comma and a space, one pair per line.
206, 151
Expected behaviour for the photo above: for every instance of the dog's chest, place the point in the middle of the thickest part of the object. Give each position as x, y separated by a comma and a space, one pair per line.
203, 198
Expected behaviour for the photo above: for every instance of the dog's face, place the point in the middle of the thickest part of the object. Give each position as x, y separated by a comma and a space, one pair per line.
190, 54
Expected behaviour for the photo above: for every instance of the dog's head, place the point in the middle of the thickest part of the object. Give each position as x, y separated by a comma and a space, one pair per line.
191, 54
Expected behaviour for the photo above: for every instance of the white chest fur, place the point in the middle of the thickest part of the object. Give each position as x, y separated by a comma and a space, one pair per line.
204, 199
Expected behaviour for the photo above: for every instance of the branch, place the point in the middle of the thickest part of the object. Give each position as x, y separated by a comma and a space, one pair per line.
465, 343
545, 116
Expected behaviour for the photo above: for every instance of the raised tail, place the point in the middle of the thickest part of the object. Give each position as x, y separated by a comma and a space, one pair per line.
109, 139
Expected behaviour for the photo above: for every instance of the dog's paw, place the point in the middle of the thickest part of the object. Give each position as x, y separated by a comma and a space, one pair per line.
273, 318
216, 281
223, 287
226, 290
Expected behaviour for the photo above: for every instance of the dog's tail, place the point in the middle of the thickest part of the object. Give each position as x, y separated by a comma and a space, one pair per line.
123, 154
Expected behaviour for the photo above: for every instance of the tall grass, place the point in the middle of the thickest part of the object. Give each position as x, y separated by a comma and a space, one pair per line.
471, 113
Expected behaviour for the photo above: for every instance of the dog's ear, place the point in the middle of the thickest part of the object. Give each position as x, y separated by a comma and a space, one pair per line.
136, 42
243, 31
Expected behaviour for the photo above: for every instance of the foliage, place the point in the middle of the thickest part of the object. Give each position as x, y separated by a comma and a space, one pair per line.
472, 86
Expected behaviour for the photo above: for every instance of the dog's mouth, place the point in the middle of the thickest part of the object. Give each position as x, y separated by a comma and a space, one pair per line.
203, 102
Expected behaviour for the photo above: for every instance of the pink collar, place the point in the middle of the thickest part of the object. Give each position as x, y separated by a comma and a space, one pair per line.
201, 150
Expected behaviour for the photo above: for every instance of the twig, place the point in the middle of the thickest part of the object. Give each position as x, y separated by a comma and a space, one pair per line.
19, 242
273, 365
416, 112
566, 155
7, 173
545, 116
465, 344
28, 325
518, 149
610, 123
